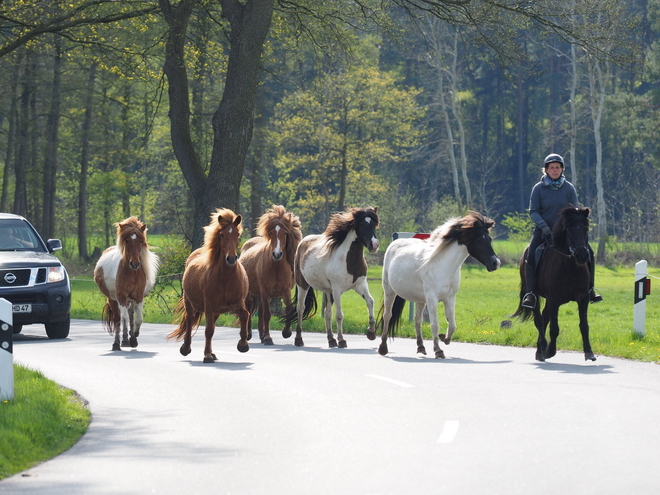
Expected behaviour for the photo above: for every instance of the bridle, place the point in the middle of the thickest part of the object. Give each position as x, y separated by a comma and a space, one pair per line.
572, 251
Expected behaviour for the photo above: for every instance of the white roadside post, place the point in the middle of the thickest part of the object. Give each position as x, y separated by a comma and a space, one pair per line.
6, 351
641, 290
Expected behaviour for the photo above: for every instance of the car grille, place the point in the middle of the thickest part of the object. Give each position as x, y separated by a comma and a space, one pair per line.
22, 277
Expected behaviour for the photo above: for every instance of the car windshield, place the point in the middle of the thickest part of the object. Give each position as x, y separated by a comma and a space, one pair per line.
17, 235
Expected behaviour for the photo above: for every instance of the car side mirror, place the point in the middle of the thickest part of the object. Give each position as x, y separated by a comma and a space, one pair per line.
54, 245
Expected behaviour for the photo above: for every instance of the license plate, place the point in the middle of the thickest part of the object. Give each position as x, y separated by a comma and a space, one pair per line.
21, 308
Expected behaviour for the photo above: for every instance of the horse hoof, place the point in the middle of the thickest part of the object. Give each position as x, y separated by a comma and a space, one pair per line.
332, 342
589, 356
243, 346
184, 350
539, 356
267, 341
343, 344
382, 349
445, 339
133, 342
299, 342
125, 343
116, 347
210, 359
371, 335
439, 354
421, 350
286, 333
550, 353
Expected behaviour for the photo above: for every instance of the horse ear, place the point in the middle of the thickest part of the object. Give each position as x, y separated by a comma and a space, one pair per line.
586, 212
144, 227
238, 220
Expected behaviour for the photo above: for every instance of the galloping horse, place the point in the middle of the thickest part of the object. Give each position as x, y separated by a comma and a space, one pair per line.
268, 260
563, 276
429, 271
213, 283
125, 273
333, 262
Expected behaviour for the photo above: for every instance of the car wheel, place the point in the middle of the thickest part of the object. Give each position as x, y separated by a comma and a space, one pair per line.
16, 328
59, 330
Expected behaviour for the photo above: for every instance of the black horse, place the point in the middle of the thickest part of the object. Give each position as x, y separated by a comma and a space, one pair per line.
563, 276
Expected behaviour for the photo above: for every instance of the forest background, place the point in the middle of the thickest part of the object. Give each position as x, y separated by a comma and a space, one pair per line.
166, 110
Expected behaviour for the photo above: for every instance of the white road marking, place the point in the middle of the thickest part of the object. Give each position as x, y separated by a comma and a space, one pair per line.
448, 432
389, 380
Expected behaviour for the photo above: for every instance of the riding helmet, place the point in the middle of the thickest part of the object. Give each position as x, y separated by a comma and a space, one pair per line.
553, 157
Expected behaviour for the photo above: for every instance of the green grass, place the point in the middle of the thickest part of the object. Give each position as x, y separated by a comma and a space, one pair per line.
483, 302
42, 421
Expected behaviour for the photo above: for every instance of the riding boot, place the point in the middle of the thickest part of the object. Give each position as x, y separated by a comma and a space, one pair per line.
594, 296
529, 300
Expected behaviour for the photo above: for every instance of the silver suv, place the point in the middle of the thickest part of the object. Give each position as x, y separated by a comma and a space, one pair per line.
32, 278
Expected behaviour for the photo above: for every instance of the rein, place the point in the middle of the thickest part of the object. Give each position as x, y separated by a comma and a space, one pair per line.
571, 250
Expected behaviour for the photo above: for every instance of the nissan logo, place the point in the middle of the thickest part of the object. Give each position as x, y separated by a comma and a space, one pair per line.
10, 278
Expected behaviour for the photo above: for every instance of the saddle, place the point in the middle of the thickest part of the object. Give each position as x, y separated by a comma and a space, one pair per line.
538, 255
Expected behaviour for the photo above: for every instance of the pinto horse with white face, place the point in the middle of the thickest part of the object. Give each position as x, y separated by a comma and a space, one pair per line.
268, 260
333, 262
125, 273
429, 271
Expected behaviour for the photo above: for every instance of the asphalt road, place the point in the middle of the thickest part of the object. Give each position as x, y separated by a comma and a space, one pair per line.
313, 420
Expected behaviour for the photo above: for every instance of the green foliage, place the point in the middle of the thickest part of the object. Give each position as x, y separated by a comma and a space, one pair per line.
42, 421
520, 226
173, 254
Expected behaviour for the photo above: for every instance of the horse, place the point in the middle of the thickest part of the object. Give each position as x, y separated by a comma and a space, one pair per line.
268, 260
562, 276
125, 273
333, 263
213, 283
429, 271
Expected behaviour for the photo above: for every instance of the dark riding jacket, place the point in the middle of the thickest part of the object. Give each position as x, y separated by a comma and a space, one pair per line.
546, 203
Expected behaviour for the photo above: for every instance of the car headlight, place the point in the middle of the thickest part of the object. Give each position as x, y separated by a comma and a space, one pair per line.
55, 274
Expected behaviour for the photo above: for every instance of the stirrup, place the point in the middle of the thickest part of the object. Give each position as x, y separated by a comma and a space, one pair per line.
529, 301
594, 296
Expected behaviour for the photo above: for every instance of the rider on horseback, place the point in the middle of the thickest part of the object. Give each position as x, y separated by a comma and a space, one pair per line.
549, 196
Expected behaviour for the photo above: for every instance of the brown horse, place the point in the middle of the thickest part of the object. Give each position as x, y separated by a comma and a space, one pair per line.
268, 260
214, 283
125, 274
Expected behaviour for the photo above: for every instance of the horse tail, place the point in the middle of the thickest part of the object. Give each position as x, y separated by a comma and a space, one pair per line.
395, 320
107, 316
310, 308
181, 317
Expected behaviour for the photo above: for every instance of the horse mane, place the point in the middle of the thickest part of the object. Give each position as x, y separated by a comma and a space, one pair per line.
457, 229
149, 261
278, 215
220, 218
343, 222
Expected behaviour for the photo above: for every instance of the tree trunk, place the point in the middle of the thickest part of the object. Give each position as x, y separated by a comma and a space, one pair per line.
11, 138
52, 144
84, 164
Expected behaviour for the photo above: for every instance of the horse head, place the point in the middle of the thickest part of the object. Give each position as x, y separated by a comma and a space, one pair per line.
221, 236
282, 231
366, 221
131, 239
571, 233
474, 233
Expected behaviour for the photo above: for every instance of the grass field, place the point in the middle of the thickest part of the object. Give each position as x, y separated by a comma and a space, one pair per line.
483, 302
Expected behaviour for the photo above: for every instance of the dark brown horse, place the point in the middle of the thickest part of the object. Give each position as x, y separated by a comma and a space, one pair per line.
333, 262
563, 276
213, 283
268, 260
125, 273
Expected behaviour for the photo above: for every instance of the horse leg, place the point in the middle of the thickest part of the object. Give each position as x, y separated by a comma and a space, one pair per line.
388, 303
363, 289
450, 316
116, 323
209, 357
126, 319
433, 317
419, 315
339, 318
583, 309
326, 309
136, 324
540, 322
286, 331
551, 314
244, 317
300, 308
189, 316
264, 321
